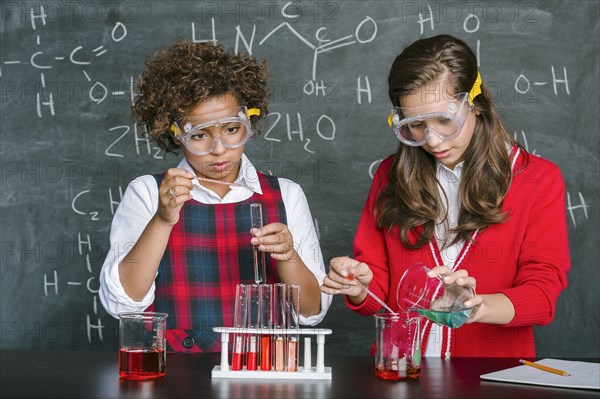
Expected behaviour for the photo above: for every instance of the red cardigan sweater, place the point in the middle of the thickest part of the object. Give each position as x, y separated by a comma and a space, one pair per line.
526, 258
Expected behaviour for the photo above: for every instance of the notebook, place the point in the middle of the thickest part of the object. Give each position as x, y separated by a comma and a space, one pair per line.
584, 375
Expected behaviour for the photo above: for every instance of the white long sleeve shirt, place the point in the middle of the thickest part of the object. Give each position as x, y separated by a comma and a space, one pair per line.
449, 184
140, 203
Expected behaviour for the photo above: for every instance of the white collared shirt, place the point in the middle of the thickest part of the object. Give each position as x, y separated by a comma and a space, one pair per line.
140, 203
449, 180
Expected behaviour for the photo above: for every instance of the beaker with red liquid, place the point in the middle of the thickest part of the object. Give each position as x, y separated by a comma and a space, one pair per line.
398, 345
142, 345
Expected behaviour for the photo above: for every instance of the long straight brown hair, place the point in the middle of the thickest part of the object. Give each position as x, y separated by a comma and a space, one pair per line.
412, 198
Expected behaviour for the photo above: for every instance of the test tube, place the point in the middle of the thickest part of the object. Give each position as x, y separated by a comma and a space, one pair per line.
266, 323
240, 317
293, 323
279, 323
256, 218
253, 322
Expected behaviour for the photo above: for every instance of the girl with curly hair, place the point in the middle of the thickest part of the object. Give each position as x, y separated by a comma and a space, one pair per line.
463, 197
181, 240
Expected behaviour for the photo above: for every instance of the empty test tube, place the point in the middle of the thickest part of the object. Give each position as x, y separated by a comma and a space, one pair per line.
256, 217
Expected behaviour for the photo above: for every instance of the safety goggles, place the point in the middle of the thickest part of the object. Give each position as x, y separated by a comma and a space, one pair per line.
444, 120
200, 133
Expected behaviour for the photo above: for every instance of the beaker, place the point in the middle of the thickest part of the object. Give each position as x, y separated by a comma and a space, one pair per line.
142, 345
430, 297
398, 345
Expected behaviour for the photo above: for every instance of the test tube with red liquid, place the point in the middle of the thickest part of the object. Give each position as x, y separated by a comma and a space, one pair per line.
266, 323
279, 323
254, 309
292, 323
240, 320
256, 218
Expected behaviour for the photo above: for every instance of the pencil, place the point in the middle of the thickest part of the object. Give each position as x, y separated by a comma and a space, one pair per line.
544, 368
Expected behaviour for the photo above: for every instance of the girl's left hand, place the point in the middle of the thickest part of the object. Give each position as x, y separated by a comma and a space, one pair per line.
276, 239
461, 278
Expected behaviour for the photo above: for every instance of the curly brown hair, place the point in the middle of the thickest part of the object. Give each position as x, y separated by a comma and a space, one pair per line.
181, 76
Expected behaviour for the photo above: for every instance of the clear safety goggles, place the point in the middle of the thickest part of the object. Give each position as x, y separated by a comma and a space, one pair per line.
413, 125
200, 133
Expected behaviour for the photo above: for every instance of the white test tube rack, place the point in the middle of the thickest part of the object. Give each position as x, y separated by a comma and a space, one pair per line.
305, 371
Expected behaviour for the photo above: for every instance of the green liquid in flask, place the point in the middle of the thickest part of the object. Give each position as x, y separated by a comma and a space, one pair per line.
449, 319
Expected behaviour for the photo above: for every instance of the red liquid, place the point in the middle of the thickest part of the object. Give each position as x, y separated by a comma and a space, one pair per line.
386, 374
141, 364
252, 354
412, 373
251, 360
236, 362
265, 352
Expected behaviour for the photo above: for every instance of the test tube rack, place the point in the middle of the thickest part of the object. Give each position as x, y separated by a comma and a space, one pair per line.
305, 372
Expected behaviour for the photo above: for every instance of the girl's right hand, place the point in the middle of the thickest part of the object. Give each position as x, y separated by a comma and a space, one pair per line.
337, 282
173, 192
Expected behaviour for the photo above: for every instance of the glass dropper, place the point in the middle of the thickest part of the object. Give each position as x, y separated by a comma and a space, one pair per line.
352, 277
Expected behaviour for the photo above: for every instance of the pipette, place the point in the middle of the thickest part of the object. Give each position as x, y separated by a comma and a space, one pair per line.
206, 179
352, 277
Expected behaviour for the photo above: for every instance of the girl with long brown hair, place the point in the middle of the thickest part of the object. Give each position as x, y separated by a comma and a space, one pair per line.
461, 196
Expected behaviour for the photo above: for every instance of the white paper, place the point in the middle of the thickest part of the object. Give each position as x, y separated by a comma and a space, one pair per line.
584, 375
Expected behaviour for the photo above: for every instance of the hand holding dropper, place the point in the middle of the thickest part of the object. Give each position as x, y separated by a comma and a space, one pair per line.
352, 277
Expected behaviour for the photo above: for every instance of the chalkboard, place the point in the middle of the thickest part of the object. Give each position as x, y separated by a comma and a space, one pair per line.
69, 148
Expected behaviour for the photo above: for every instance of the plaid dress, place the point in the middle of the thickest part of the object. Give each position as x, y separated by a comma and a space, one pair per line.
208, 253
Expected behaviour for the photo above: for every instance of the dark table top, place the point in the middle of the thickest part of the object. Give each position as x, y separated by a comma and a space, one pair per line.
73, 374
